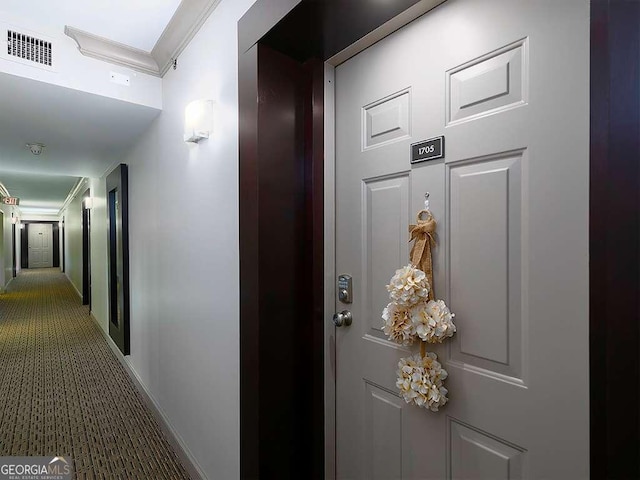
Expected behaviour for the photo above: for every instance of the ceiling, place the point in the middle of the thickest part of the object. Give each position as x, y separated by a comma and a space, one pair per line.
44, 194
83, 134
137, 23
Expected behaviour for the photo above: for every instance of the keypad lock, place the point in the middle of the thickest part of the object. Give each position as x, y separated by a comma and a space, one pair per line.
345, 289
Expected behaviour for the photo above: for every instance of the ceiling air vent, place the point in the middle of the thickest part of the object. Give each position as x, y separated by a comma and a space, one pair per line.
29, 48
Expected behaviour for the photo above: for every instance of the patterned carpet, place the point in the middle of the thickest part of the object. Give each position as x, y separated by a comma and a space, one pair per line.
63, 392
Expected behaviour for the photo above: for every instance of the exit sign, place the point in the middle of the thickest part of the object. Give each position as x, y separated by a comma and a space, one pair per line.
11, 200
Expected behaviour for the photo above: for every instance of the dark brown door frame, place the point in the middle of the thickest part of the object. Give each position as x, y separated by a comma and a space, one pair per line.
24, 245
14, 260
614, 239
24, 242
308, 32
86, 250
117, 195
62, 250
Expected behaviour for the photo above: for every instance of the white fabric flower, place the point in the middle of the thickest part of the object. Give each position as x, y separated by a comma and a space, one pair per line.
433, 322
398, 325
420, 381
408, 286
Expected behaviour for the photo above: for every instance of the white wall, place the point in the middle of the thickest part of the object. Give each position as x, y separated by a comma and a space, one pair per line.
39, 217
99, 257
6, 245
183, 208
73, 240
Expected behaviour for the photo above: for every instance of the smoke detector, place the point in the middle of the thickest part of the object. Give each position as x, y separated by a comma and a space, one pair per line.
36, 148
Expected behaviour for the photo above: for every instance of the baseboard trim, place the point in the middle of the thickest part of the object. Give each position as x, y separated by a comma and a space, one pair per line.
188, 461
73, 285
6, 287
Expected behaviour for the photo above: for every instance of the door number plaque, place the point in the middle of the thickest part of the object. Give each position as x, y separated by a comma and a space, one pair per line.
427, 150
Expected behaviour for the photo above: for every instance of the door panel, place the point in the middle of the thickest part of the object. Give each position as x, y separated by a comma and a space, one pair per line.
387, 120
476, 455
386, 210
511, 255
487, 85
485, 262
384, 422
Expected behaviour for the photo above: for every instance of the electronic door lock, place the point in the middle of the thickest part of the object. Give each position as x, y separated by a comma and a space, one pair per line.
345, 289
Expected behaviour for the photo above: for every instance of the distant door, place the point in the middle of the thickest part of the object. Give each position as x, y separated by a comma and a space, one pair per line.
40, 245
504, 82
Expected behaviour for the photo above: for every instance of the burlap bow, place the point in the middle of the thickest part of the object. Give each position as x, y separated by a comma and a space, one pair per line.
422, 235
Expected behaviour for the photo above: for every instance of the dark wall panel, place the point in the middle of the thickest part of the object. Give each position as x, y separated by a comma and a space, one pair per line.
261, 18
281, 330
24, 246
322, 28
56, 244
312, 333
280, 234
86, 251
249, 272
14, 260
615, 239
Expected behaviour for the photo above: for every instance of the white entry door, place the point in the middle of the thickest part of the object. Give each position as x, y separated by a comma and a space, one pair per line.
40, 245
506, 83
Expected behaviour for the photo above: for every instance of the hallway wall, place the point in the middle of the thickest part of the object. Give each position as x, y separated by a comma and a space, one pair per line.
6, 252
73, 241
34, 217
183, 206
99, 254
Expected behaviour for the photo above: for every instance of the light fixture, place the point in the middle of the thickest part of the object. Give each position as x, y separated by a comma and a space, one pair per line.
198, 120
22, 226
14, 220
36, 148
88, 203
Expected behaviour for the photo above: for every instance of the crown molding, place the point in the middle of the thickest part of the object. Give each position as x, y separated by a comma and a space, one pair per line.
185, 23
102, 48
183, 26
73, 193
3, 191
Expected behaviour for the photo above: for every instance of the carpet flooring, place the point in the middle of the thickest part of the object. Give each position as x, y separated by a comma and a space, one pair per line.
63, 392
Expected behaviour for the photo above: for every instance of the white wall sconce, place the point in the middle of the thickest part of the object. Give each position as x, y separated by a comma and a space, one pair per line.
198, 120
14, 220
22, 226
88, 203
